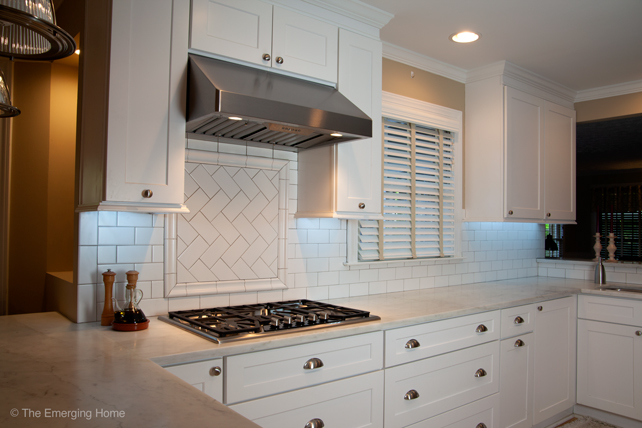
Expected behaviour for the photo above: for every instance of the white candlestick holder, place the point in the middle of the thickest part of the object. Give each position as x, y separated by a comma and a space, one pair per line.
611, 248
598, 246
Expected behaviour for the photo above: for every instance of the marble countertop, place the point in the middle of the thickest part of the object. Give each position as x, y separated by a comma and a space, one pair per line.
49, 364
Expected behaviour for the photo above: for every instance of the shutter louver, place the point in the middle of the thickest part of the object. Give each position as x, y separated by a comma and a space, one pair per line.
418, 196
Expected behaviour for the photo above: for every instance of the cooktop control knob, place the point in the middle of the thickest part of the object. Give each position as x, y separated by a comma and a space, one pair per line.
324, 316
287, 321
299, 319
312, 318
275, 323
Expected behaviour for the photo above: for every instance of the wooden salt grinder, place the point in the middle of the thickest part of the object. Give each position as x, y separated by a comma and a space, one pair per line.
132, 278
108, 311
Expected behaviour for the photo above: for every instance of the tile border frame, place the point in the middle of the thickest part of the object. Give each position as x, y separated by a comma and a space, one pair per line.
175, 289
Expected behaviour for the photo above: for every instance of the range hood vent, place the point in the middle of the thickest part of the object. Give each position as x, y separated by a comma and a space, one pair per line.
272, 108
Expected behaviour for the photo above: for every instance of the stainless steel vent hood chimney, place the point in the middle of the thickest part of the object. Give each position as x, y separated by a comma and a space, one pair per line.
244, 103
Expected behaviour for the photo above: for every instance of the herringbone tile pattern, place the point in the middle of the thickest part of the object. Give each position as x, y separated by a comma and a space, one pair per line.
231, 232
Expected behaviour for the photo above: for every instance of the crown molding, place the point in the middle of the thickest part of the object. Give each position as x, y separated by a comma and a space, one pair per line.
524, 80
356, 10
423, 62
609, 91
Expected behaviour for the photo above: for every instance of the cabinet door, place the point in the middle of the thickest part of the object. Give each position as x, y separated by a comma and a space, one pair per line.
559, 125
206, 376
359, 166
609, 368
516, 381
523, 151
349, 403
241, 30
428, 387
480, 413
146, 138
554, 361
304, 45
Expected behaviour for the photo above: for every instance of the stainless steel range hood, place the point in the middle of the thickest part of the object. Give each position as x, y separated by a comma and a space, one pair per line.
273, 108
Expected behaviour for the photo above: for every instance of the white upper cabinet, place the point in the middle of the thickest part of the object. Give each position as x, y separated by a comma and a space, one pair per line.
258, 33
519, 156
344, 180
132, 145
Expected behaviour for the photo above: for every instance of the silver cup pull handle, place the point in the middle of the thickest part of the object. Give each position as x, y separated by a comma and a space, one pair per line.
313, 363
480, 373
315, 423
519, 320
412, 343
411, 395
481, 328
518, 343
481, 425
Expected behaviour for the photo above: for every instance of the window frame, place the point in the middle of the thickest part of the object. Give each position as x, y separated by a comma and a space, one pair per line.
407, 109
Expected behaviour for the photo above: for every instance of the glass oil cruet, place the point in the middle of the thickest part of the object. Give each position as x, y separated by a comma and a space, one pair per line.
130, 317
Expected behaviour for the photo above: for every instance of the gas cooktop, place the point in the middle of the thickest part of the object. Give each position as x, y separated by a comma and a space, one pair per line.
231, 323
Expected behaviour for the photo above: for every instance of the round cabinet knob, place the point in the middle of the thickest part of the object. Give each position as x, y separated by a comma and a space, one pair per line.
279, 60
313, 363
411, 395
362, 206
510, 212
548, 214
540, 308
481, 328
480, 373
481, 425
519, 320
215, 371
519, 343
266, 57
412, 343
638, 333
147, 193
315, 423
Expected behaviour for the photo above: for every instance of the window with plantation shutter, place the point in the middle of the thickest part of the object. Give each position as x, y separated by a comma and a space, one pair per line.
419, 195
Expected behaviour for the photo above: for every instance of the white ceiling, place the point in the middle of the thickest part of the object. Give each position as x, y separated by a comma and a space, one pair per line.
580, 44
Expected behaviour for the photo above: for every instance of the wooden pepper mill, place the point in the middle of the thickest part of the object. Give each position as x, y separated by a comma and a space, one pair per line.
108, 310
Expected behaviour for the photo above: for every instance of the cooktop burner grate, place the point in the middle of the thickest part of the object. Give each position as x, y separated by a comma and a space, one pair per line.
237, 322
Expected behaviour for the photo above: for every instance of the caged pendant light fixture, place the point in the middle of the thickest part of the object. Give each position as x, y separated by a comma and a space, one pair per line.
28, 30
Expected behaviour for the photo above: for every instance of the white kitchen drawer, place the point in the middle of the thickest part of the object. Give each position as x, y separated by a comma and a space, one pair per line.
348, 403
203, 376
484, 411
442, 383
259, 374
439, 337
517, 320
610, 309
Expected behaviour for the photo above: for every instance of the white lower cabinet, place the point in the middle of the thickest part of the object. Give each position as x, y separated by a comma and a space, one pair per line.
348, 403
516, 381
259, 374
428, 387
206, 376
555, 358
609, 363
482, 413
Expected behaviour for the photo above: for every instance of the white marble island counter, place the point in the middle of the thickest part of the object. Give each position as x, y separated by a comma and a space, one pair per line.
50, 364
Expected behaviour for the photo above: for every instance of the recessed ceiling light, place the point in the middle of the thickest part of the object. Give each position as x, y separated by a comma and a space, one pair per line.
336, 134
464, 37
235, 118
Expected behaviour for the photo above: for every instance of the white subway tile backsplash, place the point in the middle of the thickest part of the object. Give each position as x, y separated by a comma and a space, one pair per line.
106, 254
134, 254
116, 236
135, 219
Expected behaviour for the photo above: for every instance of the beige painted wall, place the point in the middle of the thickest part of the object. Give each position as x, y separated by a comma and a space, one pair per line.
62, 164
606, 108
423, 86
29, 175
41, 212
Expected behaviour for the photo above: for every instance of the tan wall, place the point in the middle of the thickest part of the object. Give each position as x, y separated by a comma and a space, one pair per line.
62, 164
29, 166
424, 86
606, 108
41, 234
